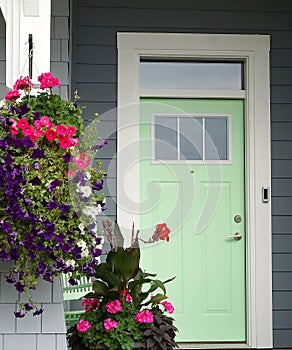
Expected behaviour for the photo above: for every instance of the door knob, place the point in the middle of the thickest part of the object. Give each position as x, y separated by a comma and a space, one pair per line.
237, 236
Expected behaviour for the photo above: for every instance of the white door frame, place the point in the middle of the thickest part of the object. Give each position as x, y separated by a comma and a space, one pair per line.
254, 51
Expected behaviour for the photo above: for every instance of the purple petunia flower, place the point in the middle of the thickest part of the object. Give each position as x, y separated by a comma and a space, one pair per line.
37, 153
36, 181
11, 237
54, 184
28, 306
19, 287
65, 208
6, 226
10, 279
97, 186
67, 157
52, 205
19, 314
38, 312
36, 166
37, 116
72, 281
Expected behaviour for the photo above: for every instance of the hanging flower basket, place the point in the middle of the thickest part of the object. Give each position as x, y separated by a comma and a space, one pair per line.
50, 193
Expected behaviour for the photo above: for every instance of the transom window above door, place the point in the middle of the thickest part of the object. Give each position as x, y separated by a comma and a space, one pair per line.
191, 75
194, 138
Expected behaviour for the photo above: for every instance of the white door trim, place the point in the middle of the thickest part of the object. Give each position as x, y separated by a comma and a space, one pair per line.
254, 51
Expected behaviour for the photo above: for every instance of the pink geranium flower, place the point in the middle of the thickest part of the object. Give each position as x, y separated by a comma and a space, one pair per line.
83, 325
82, 162
168, 306
23, 83
144, 316
90, 304
128, 298
114, 306
47, 80
110, 324
12, 95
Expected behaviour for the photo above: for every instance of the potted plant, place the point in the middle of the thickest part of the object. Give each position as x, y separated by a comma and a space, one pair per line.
128, 308
50, 193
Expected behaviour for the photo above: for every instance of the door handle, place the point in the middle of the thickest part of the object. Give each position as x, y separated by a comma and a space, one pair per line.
237, 236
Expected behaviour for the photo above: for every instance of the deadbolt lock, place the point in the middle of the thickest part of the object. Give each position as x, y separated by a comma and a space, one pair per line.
237, 218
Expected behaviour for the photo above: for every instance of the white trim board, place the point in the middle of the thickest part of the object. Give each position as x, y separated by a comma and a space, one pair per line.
254, 51
24, 17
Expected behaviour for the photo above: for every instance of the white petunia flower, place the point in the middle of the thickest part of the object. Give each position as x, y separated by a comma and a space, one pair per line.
84, 253
87, 175
70, 263
81, 227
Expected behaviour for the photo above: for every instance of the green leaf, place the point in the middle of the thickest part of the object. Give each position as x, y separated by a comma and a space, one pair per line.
169, 280
103, 272
100, 288
126, 261
157, 284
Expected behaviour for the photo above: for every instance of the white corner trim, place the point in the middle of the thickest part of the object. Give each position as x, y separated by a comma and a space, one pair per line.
254, 51
24, 17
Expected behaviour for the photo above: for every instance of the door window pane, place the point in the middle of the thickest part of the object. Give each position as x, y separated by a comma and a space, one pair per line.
191, 138
216, 136
191, 75
165, 136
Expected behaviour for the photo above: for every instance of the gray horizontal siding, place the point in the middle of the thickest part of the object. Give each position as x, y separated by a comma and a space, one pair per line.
94, 70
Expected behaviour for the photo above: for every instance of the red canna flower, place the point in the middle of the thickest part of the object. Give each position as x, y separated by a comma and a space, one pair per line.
162, 232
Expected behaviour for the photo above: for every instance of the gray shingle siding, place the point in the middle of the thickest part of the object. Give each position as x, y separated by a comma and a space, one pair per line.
94, 67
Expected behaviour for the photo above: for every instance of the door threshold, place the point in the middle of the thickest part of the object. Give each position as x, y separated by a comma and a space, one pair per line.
185, 346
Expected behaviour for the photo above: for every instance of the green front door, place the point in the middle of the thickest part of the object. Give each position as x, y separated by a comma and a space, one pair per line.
192, 178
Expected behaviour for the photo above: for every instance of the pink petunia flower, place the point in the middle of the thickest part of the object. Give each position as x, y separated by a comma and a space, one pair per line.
168, 306
110, 324
75, 141
83, 325
114, 306
47, 80
51, 134
65, 142
71, 130
37, 124
61, 129
45, 121
13, 130
22, 123
28, 130
12, 95
144, 316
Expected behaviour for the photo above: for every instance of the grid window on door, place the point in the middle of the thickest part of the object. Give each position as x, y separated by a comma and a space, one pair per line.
193, 138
